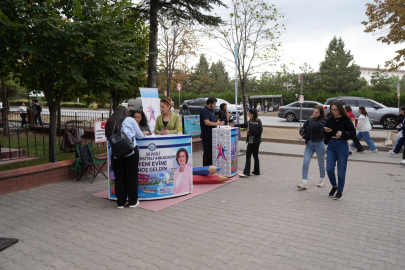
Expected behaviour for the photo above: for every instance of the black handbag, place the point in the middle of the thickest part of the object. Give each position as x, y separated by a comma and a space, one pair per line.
121, 146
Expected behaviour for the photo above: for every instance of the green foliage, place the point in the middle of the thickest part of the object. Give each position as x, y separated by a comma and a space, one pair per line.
337, 72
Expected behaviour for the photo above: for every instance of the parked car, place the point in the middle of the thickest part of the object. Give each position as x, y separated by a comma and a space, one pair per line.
378, 113
196, 105
134, 104
291, 112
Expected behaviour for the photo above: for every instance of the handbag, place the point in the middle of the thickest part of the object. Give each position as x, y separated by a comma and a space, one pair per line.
121, 146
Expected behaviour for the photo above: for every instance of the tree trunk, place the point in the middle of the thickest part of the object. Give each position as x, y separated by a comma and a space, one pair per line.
52, 132
4, 113
169, 82
115, 100
59, 125
153, 50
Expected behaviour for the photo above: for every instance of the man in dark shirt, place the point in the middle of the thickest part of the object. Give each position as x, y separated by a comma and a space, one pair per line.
207, 123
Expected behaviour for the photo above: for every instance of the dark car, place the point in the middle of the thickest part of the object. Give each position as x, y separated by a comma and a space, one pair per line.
196, 105
291, 112
377, 112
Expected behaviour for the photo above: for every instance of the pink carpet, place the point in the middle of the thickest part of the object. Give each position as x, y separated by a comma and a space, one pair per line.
157, 205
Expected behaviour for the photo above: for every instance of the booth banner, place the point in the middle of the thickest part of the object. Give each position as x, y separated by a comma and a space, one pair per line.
165, 167
151, 105
180, 124
225, 150
192, 125
99, 131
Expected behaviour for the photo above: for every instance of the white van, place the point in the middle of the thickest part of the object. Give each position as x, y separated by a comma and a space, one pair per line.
134, 104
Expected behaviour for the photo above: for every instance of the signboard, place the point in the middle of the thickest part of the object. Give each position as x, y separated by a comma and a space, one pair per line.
179, 87
301, 98
99, 131
165, 93
165, 167
151, 105
299, 78
225, 150
192, 125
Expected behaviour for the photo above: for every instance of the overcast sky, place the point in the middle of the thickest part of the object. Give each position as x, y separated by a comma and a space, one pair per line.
310, 27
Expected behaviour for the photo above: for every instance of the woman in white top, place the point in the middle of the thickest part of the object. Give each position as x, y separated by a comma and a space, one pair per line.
23, 113
363, 126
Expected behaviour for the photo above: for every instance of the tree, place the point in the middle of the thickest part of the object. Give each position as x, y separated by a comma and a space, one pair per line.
180, 11
177, 43
388, 17
254, 27
338, 72
55, 45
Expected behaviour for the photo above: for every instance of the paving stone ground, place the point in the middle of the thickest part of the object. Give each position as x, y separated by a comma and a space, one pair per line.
262, 222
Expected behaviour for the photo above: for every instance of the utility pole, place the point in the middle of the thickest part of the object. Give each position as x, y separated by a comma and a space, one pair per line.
300, 80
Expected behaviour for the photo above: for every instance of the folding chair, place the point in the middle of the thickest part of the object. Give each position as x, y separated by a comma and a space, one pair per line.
94, 165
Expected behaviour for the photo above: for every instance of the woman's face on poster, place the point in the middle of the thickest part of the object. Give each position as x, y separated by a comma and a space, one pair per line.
182, 158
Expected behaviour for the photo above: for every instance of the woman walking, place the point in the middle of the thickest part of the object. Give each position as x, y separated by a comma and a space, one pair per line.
224, 114
313, 132
254, 138
168, 122
126, 168
363, 128
401, 139
142, 121
339, 128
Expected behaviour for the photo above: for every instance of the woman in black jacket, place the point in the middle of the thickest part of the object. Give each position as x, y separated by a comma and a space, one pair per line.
313, 132
339, 128
223, 114
254, 138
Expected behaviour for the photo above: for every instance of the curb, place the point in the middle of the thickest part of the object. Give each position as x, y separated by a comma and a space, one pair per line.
314, 157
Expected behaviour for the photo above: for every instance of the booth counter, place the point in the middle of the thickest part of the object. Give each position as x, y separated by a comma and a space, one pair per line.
159, 173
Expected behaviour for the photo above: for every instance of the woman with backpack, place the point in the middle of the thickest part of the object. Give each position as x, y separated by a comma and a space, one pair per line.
313, 132
363, 128
125, 168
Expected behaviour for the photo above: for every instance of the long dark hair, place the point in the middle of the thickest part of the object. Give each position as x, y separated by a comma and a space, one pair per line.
363, 111
116, 119
144, 120
339, 106
255, 115
348, 108
321, 112
222, 106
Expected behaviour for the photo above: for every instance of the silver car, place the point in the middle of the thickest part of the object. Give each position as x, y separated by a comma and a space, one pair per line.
377, 112
291, 112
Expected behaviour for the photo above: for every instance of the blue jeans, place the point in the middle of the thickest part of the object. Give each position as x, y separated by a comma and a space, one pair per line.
338, 151
396, 143
38, 118
367, 139
310, 149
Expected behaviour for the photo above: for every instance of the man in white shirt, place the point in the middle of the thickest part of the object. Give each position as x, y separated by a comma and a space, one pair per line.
23, 114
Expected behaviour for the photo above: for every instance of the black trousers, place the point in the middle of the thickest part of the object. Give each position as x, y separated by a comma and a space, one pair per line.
357, 143
23, 119
252, 149
126, 178
207, 148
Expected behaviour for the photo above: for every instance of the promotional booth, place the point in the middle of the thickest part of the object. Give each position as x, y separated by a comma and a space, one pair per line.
165, 167
225, 150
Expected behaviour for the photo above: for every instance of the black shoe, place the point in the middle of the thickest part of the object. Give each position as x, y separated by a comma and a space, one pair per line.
350, 153
338, 196
360, 152
332, 192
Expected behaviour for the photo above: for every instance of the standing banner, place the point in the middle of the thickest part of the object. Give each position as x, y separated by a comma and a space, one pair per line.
165, 167
192, 125
180, 124
225, 150
151, 105
99, 131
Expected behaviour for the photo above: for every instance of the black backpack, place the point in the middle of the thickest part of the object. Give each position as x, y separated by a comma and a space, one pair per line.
121, 146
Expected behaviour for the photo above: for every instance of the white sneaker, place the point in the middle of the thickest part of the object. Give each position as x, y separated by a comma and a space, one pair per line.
392, 153
243, 175
302, 186
374, 151
135, 205
321, 183
120, 207
403, 162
